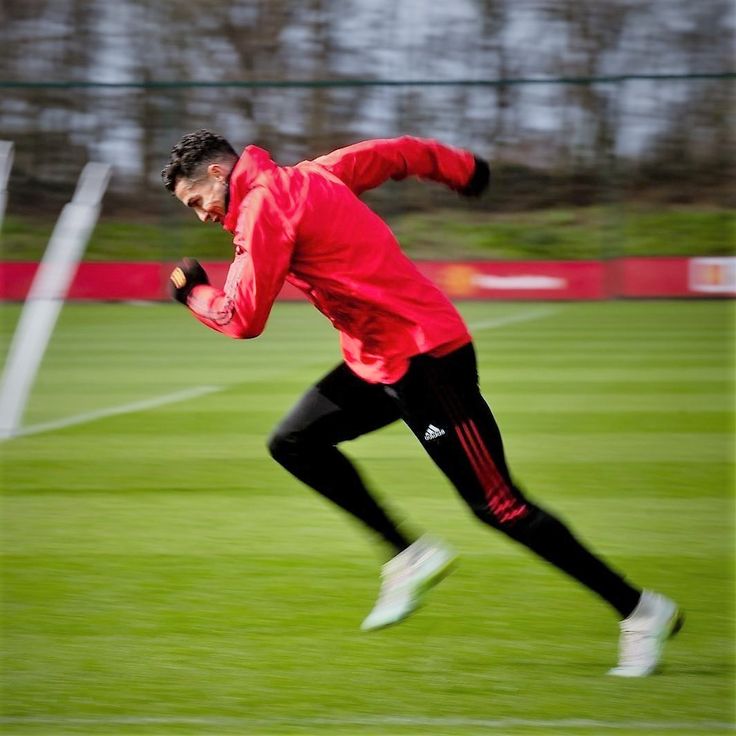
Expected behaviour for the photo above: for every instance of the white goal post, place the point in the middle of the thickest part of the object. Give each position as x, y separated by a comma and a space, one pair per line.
6, 163
46, 296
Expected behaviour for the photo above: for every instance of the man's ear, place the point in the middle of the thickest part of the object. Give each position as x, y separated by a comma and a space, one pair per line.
217, 171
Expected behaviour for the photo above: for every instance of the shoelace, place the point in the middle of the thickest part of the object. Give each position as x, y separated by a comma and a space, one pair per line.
393, 584
635, 648
421, 556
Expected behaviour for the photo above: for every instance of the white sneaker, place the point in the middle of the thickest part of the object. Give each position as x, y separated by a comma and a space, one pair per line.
643, 634
405, 580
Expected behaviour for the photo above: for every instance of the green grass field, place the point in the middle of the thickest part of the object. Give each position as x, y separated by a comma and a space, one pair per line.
161, 575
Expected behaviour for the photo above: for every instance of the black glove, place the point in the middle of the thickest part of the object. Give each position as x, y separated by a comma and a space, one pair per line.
184, 278
479, 180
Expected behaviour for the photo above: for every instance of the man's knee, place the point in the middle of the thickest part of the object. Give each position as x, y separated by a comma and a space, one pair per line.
282, 445
286, 445
518, 521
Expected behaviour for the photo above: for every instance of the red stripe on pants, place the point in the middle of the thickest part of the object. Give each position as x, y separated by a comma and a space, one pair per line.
501, 501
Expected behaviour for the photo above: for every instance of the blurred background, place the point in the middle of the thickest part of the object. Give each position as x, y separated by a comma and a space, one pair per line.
162, 575
609, 125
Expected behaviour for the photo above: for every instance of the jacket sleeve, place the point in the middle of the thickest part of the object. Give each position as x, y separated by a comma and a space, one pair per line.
368, 164
264, 245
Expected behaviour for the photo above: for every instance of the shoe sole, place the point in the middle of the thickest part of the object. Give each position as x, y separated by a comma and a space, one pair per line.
677, 625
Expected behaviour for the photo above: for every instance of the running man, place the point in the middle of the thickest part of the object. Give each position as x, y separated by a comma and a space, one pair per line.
407, 355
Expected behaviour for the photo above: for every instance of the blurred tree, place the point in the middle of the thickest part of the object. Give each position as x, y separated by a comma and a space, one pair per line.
679, 128
497, 62
695, 143
593, 31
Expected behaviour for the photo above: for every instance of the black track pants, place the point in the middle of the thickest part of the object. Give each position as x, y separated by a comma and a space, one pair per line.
440, 401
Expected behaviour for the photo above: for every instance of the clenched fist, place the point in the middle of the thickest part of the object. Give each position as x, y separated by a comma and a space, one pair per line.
188, 274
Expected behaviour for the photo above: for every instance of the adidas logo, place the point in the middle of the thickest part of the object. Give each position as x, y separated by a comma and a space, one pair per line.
433, 433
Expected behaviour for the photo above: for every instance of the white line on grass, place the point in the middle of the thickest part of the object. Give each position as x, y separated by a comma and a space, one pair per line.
501, 724
511, 319
112, 411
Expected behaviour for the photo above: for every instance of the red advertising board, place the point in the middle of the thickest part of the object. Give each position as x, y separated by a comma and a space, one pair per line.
518, 279
537, 280
673, 277
712, 276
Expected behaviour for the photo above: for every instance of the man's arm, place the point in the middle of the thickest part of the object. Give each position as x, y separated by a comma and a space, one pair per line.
256, 276
368, 164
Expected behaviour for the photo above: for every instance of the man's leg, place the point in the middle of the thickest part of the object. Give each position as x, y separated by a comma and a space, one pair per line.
442, 404
340, 407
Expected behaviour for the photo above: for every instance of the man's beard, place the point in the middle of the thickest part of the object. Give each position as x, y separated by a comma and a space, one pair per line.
227, 195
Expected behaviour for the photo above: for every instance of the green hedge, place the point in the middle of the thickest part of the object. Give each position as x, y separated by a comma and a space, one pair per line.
561, 233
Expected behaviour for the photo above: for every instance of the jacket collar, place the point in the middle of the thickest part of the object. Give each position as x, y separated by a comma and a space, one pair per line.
253, 162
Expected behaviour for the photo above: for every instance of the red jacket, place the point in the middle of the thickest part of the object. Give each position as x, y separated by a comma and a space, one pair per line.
305, 224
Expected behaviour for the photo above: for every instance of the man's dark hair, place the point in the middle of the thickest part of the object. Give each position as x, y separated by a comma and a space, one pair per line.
191, 152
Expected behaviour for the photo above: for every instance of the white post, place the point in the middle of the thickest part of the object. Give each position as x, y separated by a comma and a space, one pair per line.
6, 163
46, 296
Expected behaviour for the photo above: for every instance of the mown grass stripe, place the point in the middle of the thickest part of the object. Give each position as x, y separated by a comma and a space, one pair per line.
152, 403
378, 720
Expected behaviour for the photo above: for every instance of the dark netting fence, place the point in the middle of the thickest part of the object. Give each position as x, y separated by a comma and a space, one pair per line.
603, 146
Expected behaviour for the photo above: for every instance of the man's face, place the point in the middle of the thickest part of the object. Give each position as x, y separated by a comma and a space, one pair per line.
207, 195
